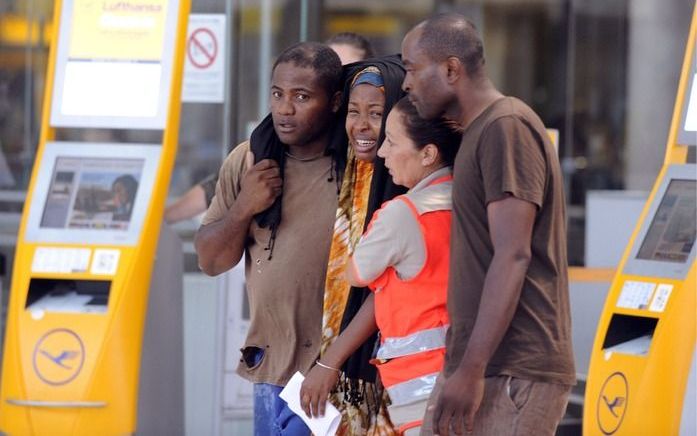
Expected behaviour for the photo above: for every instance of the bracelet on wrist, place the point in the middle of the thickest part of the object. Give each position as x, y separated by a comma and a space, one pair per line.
326, 366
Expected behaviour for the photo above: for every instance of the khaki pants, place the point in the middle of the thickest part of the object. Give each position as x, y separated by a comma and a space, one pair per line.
511, 407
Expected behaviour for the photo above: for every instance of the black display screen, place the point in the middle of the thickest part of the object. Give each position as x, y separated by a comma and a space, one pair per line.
672, 232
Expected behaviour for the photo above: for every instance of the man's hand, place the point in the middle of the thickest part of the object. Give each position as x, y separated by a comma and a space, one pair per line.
315, 390
260, 185
458, 403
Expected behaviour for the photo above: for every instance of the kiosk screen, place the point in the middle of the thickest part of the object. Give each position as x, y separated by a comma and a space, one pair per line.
114, 63
92, 193
672, 232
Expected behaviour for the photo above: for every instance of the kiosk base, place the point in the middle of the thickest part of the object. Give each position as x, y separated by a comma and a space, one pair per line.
161, 390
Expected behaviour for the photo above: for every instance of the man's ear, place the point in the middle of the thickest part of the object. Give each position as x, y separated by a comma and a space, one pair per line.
454, 69
429, 155
336, 101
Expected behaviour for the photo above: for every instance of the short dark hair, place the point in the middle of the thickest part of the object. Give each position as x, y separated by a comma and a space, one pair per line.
444, 134
452, 34
129, 183
317, 56
354, 40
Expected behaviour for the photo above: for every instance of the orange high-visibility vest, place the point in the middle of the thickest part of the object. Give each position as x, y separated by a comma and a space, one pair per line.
411, 314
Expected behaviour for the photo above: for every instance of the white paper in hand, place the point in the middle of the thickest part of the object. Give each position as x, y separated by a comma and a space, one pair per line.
324, 426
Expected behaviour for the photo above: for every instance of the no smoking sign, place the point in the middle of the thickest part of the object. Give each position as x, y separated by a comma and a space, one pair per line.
202, 48
204, 66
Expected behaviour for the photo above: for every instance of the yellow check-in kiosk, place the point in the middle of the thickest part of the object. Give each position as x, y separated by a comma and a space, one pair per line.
642, 374
93, 337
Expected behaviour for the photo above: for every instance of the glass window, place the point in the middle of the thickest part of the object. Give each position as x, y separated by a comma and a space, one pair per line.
24, 30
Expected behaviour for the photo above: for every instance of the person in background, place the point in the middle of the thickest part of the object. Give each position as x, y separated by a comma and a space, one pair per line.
403, 258
371, 88
509, 365
275, 203
194, 201
124, 189
350, 47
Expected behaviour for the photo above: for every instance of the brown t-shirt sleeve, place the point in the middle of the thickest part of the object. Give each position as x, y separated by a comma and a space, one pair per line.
228, 186
512, 161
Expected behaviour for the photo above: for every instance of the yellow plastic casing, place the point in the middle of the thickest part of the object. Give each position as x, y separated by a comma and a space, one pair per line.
629, 394
100, 395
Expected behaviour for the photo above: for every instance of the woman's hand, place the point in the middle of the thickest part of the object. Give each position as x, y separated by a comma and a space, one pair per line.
315, 390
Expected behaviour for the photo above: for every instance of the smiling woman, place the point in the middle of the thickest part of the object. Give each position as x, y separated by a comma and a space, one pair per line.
365, 110
371, 88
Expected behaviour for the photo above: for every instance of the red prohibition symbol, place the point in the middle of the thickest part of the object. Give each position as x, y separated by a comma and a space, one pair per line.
202, 48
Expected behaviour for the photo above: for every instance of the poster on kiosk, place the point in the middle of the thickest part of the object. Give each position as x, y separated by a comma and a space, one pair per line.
642, 377
83, 284
114, 63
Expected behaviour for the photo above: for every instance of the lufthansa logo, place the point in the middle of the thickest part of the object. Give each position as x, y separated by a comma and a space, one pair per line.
612, 403
58, 356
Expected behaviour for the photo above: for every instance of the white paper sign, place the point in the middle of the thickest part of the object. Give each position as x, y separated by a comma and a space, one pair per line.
60, 260
635, 295
691, 116
324, 426
204, 65
114, 64
86, 91
660, 300
106, 261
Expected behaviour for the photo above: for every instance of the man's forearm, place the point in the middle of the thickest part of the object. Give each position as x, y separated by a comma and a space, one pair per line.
500, 296
220, 244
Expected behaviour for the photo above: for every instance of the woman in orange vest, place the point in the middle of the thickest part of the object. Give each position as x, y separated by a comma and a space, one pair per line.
403, 258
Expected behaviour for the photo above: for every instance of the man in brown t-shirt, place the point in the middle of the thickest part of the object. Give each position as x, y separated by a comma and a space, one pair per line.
509, 364
285, 265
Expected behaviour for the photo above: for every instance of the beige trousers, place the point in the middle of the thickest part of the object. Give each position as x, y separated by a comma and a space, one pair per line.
511, 407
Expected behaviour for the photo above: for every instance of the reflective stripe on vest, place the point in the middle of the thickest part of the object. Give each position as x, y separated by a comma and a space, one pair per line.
412, 390
414, 343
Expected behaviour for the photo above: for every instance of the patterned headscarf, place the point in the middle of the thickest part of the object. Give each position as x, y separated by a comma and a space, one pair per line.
364, 188
350, 222
370, 75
